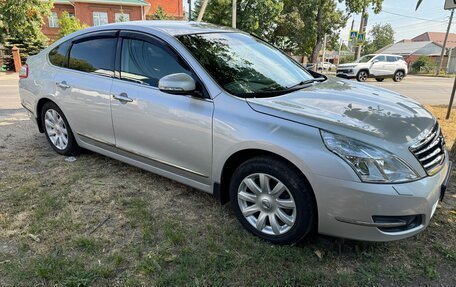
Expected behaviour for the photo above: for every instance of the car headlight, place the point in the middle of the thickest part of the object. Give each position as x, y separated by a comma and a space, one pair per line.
371, 163
349, 67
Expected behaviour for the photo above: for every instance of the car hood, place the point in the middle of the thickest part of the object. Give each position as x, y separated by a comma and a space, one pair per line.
351, 65
359, 107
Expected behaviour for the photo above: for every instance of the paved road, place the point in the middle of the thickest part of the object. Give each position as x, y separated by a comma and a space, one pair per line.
427, 90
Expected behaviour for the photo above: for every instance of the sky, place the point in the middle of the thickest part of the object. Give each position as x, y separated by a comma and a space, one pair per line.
431, 18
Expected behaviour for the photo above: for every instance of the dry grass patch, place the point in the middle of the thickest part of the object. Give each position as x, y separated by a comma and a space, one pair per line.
98, 222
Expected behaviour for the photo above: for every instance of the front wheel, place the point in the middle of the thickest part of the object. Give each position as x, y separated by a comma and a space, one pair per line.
57, 130
398, 76
362, 76
272, 200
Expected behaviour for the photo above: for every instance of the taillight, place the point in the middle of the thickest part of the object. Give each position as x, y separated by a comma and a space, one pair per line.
23, 73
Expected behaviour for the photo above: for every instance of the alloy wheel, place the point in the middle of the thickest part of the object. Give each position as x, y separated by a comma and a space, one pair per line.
399, 76
56, 129
362, 76
267, 204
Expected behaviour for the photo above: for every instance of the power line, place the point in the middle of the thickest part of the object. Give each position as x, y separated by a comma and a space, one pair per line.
418, 18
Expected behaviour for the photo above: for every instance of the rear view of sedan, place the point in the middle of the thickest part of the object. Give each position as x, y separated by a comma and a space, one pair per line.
293, 151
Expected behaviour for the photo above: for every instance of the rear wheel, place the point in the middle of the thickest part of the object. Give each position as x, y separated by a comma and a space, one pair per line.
398, 76
57, 130
362, 76
379, 79
272, 200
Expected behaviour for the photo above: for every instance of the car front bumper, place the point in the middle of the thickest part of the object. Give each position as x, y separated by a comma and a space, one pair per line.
346, 208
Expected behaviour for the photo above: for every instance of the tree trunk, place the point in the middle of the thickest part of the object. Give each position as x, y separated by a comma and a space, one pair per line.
453, 152
316, 50
319, 43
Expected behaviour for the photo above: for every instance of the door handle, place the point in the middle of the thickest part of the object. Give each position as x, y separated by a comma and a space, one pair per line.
123, 98
63, 85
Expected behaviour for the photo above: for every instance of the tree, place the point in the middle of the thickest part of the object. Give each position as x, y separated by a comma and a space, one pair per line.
22, 21
304, 24
381, 36
254, 16
69, 24
160, 14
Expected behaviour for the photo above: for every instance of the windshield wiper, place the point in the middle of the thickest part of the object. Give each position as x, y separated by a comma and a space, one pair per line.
298, 86
305, 83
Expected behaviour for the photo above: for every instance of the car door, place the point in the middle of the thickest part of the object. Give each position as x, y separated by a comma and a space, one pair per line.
173, 132
391, 65
377, 67
84, 87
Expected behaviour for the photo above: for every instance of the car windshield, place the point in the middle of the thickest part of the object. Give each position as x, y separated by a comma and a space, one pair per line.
365, 59
245, 66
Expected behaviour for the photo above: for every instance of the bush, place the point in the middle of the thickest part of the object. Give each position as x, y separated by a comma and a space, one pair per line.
347, 59
69, 24
423, 65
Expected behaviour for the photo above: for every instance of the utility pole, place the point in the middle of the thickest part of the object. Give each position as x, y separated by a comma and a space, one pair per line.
234, 16
189, 10
444, 44
324, 53
362, 29
353, 41
203, 9
450, 53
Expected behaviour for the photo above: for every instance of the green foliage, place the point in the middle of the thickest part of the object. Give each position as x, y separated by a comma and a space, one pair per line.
303, 25
21, 22
356, 6
160, 14
423, 64
69, 24
258, 17
347, 59
381, 36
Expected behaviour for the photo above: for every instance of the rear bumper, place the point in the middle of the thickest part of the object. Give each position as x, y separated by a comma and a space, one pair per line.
347, 209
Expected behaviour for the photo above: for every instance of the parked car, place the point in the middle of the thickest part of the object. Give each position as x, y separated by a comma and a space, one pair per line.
224, 112
326, 66
375, 66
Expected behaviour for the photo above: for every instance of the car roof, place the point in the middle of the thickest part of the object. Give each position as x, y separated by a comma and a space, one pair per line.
385, 55
174, 28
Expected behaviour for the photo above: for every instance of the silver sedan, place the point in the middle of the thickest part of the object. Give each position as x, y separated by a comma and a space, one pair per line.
293, 151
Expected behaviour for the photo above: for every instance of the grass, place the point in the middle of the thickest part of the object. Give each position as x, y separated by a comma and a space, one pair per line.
98, 222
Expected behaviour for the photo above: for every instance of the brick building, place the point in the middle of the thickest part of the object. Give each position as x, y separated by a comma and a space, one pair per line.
172, 8
95, 12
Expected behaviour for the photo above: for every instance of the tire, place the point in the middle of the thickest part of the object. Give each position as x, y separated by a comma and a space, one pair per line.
398, 76
362, 76
379, 79
292, 210
57, 130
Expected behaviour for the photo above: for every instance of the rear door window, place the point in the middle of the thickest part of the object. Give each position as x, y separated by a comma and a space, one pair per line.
96, 55
391, 59
59, 55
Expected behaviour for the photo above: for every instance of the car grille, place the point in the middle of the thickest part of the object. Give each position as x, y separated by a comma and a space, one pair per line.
345, 71
430, 151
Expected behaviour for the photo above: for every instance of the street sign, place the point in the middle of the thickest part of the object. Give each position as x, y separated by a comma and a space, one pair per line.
361, 38
353, 35
450, 4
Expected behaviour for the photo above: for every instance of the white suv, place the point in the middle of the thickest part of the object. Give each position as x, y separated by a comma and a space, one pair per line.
375, 66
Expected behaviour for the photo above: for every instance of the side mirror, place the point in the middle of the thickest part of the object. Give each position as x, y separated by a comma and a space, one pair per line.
375, 61
178, 84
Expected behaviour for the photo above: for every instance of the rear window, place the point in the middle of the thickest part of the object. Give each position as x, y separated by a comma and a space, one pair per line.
391, 59
58, 55
94, 56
